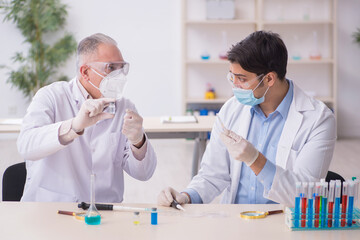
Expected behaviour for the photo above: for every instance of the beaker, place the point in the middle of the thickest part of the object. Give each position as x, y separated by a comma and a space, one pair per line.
92, 216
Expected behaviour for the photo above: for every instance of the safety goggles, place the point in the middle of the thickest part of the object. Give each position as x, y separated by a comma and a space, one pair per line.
240, 82
108, 67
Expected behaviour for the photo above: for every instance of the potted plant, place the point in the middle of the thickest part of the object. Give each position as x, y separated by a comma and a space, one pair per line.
356, 36
38, 20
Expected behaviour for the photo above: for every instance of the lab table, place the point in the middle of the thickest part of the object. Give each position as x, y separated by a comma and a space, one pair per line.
156, 130
35, 220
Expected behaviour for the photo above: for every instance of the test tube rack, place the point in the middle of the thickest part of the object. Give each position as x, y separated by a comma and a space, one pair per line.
294, 221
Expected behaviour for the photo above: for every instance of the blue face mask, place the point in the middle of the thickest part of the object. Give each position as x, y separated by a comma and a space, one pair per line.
246, 96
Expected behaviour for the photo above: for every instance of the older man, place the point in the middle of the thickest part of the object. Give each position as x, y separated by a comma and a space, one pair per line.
69, 132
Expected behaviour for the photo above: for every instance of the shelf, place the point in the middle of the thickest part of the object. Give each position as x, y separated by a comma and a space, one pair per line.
260, 15
217, 61
299, 22
309, 61
213, 22
206, 101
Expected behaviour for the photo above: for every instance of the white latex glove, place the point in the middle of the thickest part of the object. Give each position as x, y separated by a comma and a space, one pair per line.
167, 195
91, 112
132, 127
239, 148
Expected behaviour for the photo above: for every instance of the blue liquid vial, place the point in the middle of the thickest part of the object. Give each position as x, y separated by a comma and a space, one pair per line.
154, 216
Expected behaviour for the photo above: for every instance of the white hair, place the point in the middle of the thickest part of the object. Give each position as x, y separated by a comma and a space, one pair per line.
89, 45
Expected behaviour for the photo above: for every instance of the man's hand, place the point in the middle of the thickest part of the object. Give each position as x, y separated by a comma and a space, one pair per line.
239, 148
91, 112
167, 195
132, 127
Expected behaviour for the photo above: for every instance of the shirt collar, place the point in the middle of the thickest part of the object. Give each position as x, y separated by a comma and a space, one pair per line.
283, 107
83, 91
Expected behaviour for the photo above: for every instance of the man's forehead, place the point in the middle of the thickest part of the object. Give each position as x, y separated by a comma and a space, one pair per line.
237, 70
108, 53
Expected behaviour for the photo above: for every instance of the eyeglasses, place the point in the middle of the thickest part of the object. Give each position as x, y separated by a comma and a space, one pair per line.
108, 67
241, 83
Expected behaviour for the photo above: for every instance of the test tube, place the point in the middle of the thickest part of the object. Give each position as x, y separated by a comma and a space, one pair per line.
337, 202
324, 203
344, 204
297, 203
303, 203
310, 204
321, 201
331, 203
356, 192
317, 203
350, 203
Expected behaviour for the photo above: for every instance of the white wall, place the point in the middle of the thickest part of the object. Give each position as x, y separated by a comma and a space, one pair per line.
348, 69
148, 33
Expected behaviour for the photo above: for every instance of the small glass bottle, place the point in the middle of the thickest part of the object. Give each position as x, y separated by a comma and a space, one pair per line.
92, 216
154, 216
136, 218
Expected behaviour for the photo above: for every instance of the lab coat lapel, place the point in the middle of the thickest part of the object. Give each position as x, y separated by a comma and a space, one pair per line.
243, 122
292, 125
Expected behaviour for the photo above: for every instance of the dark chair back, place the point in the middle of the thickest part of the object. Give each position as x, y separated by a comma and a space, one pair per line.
13, 182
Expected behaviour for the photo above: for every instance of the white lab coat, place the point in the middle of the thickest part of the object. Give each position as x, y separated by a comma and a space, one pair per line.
304, 151
61, 173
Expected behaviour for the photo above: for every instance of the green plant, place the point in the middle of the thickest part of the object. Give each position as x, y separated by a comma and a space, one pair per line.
37, 20
356, 36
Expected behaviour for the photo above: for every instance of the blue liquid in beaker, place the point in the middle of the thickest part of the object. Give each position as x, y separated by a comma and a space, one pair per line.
93, 220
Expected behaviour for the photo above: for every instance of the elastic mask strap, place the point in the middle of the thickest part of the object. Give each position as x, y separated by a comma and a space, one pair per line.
266, 91
97, 72
99, 76
94, 85
258, 84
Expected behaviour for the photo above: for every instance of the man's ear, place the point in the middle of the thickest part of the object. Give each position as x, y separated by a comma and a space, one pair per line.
84, 71
270, 78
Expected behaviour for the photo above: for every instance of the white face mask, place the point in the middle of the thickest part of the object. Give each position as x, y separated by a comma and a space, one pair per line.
113, 84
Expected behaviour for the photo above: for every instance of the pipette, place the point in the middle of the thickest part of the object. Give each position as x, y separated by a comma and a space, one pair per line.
176, 205
337, 202
226, 131
331, 203
111, 207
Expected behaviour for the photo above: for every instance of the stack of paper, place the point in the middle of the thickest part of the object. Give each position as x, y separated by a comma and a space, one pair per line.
178, 119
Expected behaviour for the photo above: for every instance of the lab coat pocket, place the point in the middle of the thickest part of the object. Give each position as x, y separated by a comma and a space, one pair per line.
46, 195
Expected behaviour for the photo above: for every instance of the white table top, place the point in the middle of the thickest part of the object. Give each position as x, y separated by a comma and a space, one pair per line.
41, 221
151, 124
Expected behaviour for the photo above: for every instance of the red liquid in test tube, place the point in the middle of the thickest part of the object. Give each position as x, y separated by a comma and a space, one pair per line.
317, 210
343, 210
330, 212
303, 211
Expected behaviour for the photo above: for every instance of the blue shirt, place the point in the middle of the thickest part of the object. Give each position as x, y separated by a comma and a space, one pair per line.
264, 133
